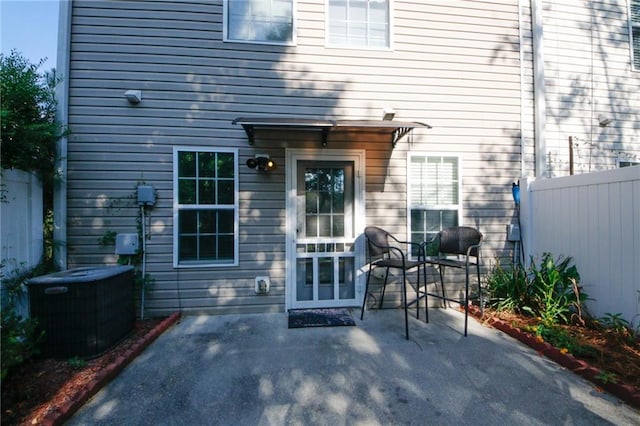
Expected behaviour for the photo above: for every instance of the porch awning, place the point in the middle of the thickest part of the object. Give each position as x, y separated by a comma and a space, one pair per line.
396, 129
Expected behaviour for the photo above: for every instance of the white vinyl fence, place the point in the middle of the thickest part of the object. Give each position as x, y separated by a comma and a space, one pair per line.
594, 219
21, 224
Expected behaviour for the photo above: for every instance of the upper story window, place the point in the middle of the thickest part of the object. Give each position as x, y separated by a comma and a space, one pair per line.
259, 21
434, 187
205, 214
358, 23
635, 33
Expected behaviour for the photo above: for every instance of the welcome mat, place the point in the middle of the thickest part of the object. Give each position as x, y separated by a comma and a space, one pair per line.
299, 318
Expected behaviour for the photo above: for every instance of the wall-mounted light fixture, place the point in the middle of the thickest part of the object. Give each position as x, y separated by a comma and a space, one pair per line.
604, 121
388, 114
261, 162
133, 96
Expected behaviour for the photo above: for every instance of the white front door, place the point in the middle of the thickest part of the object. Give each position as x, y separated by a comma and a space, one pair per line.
324, 218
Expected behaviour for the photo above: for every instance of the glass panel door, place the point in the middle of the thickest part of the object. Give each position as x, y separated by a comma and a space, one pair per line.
325, 238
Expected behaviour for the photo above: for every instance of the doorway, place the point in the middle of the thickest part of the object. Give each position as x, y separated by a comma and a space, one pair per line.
325, 211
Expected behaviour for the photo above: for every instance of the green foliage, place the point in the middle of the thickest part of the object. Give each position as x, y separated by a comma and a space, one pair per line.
617, 325
76, 362
606, 377
507, 288
108, 238
549, 290
559, 337
19, 336
554, 289
614, 321
29, 127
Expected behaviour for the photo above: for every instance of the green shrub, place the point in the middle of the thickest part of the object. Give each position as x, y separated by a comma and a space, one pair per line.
19, 336
19, 340
553, 290
507, 287
549, 290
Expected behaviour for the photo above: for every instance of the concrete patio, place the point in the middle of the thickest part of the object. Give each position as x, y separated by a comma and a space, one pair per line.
251, 369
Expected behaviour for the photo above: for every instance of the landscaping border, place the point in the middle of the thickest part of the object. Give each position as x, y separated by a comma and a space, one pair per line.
63, 413
627, 393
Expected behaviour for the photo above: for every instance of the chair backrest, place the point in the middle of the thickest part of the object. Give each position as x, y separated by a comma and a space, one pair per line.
377, 241
458, 239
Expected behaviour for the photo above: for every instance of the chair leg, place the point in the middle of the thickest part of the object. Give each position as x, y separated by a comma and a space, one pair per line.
444, 295
479, 289
366, 293
466, 301
418, 293
406, 308
426, 297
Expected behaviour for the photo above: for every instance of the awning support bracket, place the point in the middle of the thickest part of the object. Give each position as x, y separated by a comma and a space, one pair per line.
250, 134
398, 134
325, 135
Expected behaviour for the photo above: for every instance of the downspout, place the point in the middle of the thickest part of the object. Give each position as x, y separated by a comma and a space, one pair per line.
539, 92
62, 115
522, 96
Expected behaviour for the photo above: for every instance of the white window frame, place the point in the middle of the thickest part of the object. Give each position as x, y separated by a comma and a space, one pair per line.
178, 207
225, 28
410, 183
635, 54
328, 44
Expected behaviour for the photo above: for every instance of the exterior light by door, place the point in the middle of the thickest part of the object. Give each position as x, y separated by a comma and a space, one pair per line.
261, 162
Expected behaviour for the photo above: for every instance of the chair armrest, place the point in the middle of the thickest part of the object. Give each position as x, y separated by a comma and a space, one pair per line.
410, 245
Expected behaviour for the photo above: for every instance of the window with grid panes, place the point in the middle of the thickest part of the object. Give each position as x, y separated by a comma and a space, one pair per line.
261, 21
205, 208
434, 196
634, 8
358, 23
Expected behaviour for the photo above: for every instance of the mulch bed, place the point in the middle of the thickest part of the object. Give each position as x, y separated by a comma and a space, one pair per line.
615, 368
49, 391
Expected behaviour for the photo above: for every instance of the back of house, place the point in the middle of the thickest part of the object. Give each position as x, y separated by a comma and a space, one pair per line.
246, 144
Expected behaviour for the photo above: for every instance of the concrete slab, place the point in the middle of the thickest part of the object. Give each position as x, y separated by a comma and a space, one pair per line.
253, 370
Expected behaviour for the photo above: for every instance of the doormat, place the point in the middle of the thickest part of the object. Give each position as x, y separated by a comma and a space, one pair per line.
299, 318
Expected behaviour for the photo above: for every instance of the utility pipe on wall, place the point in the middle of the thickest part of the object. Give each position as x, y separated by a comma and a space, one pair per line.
62, 115
539, 91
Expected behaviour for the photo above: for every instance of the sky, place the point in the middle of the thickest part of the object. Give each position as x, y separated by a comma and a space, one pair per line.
30, 27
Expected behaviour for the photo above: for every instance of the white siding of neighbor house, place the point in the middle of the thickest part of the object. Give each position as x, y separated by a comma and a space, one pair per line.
588, 72
454, 65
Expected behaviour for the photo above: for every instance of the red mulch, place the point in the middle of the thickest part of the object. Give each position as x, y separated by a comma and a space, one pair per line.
40, 386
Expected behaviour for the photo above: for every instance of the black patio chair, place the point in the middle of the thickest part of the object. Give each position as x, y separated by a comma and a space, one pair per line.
386, 251
459, 247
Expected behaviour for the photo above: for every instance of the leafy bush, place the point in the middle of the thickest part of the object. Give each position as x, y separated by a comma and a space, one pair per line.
507, 288
553, 290
29, 127
19, 336
549, 290
616, 325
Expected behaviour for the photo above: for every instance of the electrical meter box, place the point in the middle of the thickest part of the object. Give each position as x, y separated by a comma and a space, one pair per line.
146, 195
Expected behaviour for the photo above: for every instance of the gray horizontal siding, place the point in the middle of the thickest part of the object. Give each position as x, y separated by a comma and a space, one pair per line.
454, 65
